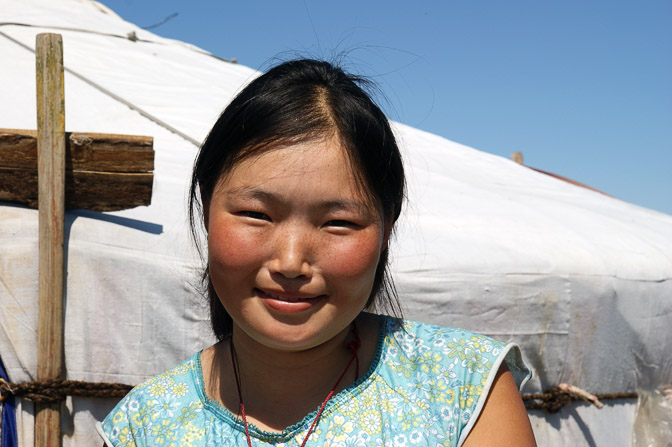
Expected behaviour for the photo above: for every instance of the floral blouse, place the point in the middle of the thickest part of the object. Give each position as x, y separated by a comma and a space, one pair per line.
426, 387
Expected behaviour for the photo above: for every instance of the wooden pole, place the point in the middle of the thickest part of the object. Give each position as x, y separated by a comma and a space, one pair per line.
51, 200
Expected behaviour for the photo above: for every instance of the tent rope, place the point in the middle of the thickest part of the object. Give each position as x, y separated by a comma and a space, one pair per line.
551, 400
57, 390
131, 35
113, 95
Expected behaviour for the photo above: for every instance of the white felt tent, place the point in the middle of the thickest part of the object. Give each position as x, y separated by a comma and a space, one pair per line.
580, 280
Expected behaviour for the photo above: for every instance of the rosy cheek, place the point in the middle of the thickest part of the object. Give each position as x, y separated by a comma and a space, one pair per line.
354, 257
230, 247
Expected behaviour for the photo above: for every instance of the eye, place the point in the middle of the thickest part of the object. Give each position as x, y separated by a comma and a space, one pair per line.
340, 223
254, 215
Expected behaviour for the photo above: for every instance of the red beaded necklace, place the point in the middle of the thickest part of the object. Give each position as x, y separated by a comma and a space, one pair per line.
354, 346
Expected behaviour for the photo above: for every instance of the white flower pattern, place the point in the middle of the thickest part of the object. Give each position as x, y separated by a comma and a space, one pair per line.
425, 385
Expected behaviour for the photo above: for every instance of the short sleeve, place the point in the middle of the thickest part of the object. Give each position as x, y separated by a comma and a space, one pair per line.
497, 353
161, 411
443, 376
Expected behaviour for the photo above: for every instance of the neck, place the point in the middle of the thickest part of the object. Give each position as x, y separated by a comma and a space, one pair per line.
279, 388
278, 376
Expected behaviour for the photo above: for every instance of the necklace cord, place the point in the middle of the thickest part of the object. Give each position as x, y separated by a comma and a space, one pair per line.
236, 373
353, 346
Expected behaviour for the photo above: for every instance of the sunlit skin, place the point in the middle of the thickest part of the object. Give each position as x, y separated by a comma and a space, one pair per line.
291, 224
503, 422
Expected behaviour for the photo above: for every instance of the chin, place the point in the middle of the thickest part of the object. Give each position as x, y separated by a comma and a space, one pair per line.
284, 337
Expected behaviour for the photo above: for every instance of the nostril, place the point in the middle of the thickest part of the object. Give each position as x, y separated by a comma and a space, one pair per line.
290, 269
292, 251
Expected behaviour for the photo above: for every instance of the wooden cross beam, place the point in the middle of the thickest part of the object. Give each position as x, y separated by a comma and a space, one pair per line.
103, 172
52, 170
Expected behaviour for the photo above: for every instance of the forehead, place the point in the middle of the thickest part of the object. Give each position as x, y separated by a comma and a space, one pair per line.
323, 165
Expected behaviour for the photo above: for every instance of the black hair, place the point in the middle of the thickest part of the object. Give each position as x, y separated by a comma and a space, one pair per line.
294, 102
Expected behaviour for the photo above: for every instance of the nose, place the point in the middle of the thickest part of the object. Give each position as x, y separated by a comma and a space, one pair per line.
292, 253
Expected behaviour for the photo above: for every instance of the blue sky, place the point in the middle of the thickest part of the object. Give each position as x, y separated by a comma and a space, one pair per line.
582, 88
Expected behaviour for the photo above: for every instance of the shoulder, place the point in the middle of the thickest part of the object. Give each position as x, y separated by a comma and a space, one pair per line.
503, 419
446, 373
167, 399
465, 352
438, 337
173, 383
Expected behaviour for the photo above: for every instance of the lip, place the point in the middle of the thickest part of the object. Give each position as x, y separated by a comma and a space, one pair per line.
288, 302
286, 296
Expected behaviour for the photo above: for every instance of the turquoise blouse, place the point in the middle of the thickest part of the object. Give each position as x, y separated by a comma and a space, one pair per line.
426, 386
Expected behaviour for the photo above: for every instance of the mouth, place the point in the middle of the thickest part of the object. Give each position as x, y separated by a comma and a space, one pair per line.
290, 298
289, 302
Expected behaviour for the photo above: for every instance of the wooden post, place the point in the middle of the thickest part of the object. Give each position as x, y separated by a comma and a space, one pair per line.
54, 170
51, 200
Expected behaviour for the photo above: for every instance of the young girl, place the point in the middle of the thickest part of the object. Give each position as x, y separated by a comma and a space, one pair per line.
300, 184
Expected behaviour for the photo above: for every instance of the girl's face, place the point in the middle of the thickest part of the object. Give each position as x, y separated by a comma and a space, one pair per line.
293, 244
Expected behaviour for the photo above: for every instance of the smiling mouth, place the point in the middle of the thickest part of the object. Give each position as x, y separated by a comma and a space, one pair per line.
286, 298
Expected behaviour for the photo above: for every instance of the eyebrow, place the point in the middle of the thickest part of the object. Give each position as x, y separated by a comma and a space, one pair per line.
252, 192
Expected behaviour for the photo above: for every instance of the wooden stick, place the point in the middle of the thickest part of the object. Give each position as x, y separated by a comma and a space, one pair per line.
51, 200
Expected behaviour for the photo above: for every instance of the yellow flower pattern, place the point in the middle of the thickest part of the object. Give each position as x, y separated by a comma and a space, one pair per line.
426, 383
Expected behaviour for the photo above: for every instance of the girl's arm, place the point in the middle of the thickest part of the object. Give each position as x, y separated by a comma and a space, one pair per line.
503, 420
